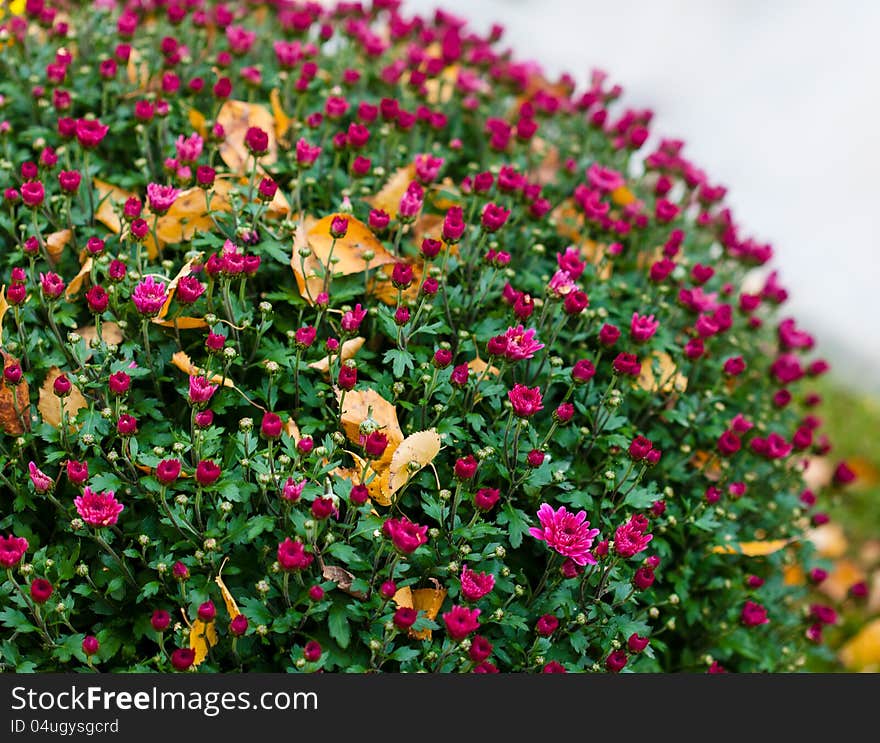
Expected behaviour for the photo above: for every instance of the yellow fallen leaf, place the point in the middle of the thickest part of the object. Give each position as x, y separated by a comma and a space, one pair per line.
844, 573
752, 549
55, 244
188, 215
182, 362
346, 352
282, 120
439, 89
386, 292
73, 288
708, 464
50, 404
389, 196
862, 651
622, 196
416, 449
669, 378
198, 122
13, 406
347, 252
359, 405
4, 307
137, 71
376, 480
793, 575
228, 599
427, 600
236, 117
829, 540
202, 636
478, 366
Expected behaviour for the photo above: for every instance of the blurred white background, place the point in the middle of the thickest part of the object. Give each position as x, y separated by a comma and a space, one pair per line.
777, 100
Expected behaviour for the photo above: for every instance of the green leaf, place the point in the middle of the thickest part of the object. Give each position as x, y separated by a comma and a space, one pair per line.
518, 525
640, 498
16, 620
258, 524
402, 360
337, 623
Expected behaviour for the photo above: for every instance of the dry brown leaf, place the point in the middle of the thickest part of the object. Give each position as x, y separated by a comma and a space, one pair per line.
236, 117
862, 651
347, 252
428, 600
109, 196
752, 549
829, 540
282, 120
419, 448
55, 244
202, 636
292, 430
14, 407
73, 288
389, 196
228, 599
110, 333
50, 404
346, 352
708, 464
342, 578
182, 362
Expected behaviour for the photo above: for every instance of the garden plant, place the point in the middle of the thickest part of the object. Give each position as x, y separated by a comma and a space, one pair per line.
339, 339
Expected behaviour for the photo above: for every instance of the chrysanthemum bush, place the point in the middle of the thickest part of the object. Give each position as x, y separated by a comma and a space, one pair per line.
338, 339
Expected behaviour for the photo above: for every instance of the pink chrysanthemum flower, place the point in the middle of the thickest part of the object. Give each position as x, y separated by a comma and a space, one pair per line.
567, 533
98, 509
521, 343
189, 148
149, 296
161, 197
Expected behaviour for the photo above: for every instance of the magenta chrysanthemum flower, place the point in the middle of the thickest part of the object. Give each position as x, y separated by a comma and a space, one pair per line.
200, 390
521, 343
475, 585
12, 549
98, 509
630, 538
149, 296
42, 482
567, 533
